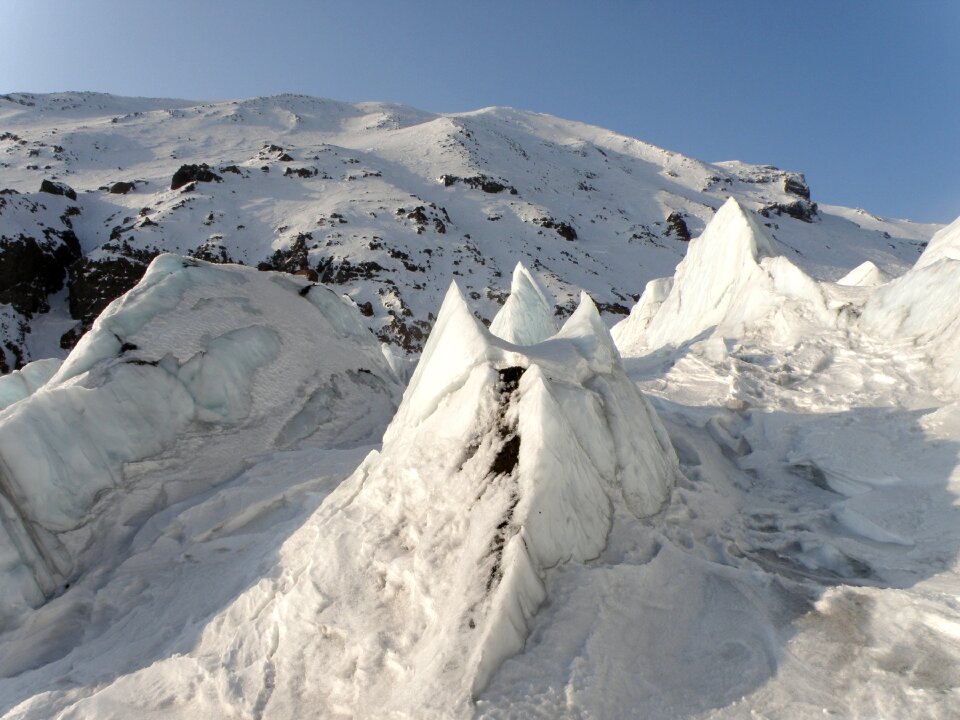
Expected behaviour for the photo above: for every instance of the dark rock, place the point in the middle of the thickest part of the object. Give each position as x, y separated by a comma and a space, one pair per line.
94, 284
121, 188
613, 308
308, 273
58, 188
482, 182
71, 337
796, 184
676, 225
564, 230
212, 251
32, 269
799, 209
193, 173
292, 259
300, 172
344, 271
408, 334
366, 309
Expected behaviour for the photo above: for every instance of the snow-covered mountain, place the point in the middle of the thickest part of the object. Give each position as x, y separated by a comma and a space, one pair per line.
740, 501
382, 202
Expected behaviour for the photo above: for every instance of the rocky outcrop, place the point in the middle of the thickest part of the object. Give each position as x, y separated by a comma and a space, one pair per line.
478, 182
677, 227
563, 229
95, 283
799, 209
122, 187
796, 184
193, 173
32, 269
58, 188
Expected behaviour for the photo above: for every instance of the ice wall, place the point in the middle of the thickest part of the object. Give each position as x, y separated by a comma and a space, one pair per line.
206, 364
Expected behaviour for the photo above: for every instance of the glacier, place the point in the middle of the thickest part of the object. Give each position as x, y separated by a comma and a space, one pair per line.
236, 496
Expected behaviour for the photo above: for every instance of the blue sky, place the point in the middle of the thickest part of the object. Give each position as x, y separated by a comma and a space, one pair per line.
864, 97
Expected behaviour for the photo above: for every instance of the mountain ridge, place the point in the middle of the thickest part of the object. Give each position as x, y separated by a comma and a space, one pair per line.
381, 201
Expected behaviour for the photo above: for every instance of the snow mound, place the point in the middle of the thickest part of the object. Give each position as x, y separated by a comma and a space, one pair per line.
526, 318
945, 244
198, 367
731, 283
866, 274
422, 572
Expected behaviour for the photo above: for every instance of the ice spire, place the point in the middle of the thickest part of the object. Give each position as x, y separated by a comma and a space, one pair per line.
526, 318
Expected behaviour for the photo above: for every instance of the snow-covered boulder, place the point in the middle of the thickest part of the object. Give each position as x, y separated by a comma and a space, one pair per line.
421, 573
526, 318
196, 369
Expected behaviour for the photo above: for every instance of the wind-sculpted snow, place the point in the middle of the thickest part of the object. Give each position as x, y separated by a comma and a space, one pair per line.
422, 572
197, 359
732, 281
526, 317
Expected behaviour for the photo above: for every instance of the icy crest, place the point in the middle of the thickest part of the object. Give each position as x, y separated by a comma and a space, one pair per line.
526, 318
500, 463
718, 266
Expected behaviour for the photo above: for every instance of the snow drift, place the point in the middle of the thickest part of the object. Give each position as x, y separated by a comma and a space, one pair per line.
197, 368
421, 573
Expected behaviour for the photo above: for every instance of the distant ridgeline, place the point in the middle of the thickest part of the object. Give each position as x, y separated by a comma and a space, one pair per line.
383, 203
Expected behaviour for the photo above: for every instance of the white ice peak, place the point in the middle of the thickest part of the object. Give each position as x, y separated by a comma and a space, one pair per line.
526, 318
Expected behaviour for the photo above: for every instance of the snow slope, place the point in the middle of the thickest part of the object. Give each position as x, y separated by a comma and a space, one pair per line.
386, 203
